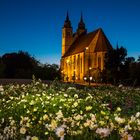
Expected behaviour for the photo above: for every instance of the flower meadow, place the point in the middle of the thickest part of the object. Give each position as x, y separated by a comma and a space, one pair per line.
61, 112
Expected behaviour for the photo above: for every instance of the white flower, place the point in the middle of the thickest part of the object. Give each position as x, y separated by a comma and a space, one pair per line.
32, 102
1, 88
34, 138
45, 117
75, 104
103, 132
22, 130
126, 136
28, 137
60, 132
137, 114
78, 117
119, 120
71, 88
88, 108
76, 95
12, 122
118, 109
53, 124
127, 127
59, 114
65, 95
88, 123
120, 86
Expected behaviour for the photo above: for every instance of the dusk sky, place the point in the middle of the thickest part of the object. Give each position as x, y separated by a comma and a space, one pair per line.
35, 25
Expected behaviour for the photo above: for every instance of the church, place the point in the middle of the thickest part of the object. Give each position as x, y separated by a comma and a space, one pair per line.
83, 53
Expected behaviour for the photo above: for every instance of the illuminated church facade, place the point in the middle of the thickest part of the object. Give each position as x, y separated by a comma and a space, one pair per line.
83, 53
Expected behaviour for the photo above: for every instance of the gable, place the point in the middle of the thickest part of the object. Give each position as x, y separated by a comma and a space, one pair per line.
102, 43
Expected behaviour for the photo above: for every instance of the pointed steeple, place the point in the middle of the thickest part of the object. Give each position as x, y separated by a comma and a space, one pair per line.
81, 26
67, 17
67, 23
81, 20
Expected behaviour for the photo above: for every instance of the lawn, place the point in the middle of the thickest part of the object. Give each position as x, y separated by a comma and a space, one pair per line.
38, 111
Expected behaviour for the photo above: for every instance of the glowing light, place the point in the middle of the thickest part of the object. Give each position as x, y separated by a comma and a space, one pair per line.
90, 78
68, 61
85, 78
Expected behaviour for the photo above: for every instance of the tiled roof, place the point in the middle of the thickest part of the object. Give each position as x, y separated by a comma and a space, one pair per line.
84, 41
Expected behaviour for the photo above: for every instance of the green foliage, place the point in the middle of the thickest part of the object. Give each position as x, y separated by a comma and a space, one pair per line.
22, 65
121, 69
59, 111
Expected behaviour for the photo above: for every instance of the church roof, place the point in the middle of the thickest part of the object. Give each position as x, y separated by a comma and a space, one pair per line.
83, 41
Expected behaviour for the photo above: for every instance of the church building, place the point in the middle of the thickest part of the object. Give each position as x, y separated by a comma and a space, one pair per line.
83, 53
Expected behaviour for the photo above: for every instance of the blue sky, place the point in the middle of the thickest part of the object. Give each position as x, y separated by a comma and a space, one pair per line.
35, 25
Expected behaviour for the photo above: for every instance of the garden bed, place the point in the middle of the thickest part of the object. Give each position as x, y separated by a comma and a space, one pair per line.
37, 111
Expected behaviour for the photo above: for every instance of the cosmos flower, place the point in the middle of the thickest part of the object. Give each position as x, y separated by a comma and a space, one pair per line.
103, 132
119, 120
22, 130
60, 132
126, 136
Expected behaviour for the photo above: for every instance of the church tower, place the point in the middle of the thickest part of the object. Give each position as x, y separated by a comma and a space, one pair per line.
81, 27
67, 35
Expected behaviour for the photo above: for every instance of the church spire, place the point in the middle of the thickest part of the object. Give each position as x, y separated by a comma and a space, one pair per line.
67, 17
81, 20
67, 23
81, 25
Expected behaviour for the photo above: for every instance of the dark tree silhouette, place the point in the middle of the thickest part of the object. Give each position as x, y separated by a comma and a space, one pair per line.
22, 65
18, 65
114, 62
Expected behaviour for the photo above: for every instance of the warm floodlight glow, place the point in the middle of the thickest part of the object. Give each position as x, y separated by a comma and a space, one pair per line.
68, 60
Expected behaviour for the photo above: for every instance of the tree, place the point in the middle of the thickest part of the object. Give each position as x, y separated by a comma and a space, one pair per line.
114, 63
2, 67
18, 65
22, 65
138, 59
